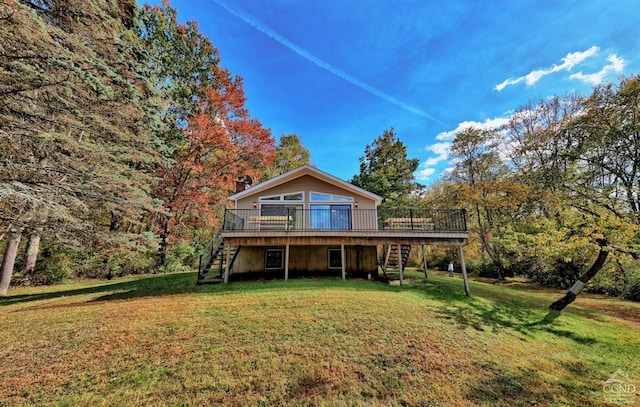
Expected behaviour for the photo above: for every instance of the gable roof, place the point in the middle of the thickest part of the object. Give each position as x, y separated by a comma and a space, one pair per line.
302, 171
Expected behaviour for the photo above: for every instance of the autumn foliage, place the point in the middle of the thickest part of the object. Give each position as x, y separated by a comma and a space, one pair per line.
121, 133
221, 142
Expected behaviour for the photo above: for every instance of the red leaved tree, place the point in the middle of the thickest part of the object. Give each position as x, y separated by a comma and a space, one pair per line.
221, 143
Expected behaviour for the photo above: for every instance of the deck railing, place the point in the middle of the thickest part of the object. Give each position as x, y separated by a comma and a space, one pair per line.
381, 219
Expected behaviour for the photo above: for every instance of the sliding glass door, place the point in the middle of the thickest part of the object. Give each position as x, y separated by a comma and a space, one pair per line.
291, 213
330, 217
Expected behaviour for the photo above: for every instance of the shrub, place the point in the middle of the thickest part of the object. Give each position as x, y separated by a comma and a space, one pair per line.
559, 273
53, 266
633, 291
180, 257
632, 286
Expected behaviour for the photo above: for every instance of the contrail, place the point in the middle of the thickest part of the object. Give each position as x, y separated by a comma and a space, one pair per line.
325, 65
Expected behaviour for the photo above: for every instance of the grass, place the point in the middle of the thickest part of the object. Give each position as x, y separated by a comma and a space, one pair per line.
161, 340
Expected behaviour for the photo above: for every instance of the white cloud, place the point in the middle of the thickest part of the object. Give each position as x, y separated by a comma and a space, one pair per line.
425, 173
616, 64
571, 60
433, 161
487, 124
442, 153
441, 149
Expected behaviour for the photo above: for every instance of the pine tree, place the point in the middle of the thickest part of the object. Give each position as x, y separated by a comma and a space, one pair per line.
385, 170
74, 146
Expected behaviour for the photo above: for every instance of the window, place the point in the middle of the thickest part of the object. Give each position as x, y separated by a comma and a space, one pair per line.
293, 197
320, 197
291, 215
274, 259
335, 259
297, 196
317, 196
330, 217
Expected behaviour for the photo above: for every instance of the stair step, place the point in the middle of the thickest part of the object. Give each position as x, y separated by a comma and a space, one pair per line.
216, 280
394, 258
215, 258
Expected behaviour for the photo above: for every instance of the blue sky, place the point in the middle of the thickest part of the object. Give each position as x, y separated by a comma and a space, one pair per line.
339, 72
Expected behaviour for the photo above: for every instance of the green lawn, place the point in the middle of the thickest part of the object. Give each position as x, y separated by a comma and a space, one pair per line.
161, 340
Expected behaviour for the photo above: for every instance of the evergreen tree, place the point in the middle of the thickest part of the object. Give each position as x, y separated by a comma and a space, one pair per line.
290, 154
74, 146
385, 170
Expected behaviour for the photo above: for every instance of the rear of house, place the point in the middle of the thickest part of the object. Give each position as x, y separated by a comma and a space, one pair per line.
315, 210
308, 222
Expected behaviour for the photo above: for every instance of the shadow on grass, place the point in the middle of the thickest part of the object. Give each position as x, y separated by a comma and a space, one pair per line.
148, 284
492, 308
184, 283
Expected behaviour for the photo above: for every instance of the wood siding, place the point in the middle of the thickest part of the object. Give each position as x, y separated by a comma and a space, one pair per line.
360, 259
306, 184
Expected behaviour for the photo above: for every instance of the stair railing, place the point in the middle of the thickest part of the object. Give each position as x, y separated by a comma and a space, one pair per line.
208, 252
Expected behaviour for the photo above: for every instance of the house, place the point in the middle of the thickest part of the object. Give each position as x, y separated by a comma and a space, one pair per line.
307, 221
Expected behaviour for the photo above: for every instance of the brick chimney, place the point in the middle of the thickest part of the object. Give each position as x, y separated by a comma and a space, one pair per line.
241, 184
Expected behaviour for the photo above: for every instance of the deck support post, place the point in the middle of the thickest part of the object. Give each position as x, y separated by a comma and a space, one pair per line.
424, 261
227, 264
343, 262
464, 270
400, 265
286, 262
386, 259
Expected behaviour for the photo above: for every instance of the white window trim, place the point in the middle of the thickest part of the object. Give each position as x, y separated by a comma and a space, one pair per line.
343, 198
266, 200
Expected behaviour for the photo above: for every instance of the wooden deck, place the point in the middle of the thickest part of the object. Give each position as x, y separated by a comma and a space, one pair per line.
348, 237
444, 227
390, 228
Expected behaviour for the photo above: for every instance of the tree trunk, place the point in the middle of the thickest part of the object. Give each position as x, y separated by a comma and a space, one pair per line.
8, 262
31, 257
164, 236
116, 221
573, 292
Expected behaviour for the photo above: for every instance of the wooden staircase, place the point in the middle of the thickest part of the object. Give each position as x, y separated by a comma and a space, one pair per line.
391, 258
214, 257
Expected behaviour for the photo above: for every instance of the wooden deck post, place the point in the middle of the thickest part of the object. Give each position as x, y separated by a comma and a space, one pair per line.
424, 261
464, 270
343, 262
227, 264
386, 259
286, 262
400, 265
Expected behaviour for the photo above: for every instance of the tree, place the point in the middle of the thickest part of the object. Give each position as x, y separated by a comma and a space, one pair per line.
222, 142
385, 170
483, 181
207, 135
8, 259
71, 96
587, 152
182, 66
31, 254
289, 154
606, 173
